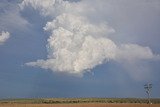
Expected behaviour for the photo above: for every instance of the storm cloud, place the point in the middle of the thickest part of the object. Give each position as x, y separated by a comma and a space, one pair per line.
80, 38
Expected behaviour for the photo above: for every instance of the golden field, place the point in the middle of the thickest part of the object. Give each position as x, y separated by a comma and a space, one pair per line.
80, 105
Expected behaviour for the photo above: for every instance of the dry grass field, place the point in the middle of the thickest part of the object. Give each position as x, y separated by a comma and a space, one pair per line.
80, 105
79, 102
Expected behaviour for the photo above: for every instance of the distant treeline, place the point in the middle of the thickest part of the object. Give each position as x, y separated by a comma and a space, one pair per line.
80, 100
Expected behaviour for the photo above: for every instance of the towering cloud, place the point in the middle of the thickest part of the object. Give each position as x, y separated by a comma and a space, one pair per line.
77, 43
4, 36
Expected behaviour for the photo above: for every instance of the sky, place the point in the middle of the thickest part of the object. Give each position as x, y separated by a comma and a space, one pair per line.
79, 48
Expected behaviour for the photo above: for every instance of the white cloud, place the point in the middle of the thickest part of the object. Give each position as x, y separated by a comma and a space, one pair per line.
74, 45
4, 36
132, 52
46, 7
78, 43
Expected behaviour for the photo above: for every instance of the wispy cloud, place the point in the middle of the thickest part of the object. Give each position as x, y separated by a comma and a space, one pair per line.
10, 17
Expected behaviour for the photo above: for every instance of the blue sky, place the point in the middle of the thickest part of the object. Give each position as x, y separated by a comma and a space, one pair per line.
82, 48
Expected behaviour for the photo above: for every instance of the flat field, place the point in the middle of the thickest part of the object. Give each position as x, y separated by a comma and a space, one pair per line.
79, 102
80, 105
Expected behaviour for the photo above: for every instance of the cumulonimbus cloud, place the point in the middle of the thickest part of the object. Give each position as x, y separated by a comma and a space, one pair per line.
77, 44
4, 36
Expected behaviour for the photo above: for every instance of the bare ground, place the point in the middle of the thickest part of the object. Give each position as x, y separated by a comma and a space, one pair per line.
80, 105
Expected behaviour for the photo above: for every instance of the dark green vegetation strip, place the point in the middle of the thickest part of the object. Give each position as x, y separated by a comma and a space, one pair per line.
79, 100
